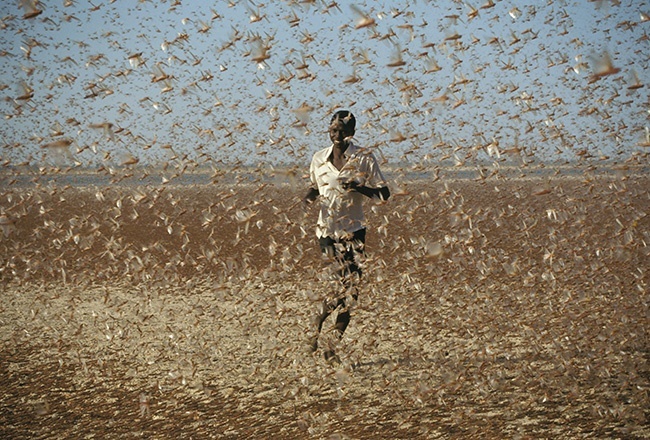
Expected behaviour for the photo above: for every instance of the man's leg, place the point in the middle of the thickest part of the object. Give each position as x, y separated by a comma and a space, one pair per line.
350, 276
347, 254
327, 248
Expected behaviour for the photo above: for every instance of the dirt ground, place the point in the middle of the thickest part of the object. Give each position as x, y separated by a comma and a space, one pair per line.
489, 308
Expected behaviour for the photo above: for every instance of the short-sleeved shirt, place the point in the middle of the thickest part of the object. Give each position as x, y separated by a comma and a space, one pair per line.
341, 211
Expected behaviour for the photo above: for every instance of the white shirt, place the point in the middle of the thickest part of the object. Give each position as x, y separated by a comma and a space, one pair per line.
341, 211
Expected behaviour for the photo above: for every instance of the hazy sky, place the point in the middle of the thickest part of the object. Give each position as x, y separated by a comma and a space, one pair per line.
225, 81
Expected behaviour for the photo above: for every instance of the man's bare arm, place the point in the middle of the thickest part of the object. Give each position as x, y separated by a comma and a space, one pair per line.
381, 192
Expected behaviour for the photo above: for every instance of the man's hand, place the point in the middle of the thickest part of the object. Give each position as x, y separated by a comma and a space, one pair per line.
312, 194
350, 185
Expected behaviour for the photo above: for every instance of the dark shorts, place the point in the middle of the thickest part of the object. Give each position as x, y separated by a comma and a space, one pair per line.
345, 250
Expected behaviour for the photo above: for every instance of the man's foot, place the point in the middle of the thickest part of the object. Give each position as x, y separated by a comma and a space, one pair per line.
312, 343
331, 357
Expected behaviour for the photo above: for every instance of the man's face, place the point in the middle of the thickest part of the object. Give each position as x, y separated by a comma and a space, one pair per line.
338, 133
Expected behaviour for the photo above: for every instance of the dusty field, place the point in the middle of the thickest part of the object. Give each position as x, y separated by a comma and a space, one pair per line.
489, 309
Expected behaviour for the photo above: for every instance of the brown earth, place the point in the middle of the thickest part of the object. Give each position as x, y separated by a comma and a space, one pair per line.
489, 309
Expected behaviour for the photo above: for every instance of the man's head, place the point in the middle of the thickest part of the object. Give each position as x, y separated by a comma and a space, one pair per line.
342, 126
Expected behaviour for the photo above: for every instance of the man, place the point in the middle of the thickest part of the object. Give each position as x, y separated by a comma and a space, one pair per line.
342, 175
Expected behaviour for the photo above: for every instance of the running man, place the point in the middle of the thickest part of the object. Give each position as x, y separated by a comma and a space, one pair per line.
341, 176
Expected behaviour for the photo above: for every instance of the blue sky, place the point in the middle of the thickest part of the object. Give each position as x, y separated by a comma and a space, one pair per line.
225, 82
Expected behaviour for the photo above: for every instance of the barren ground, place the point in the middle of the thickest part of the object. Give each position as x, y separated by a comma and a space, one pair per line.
489, 309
